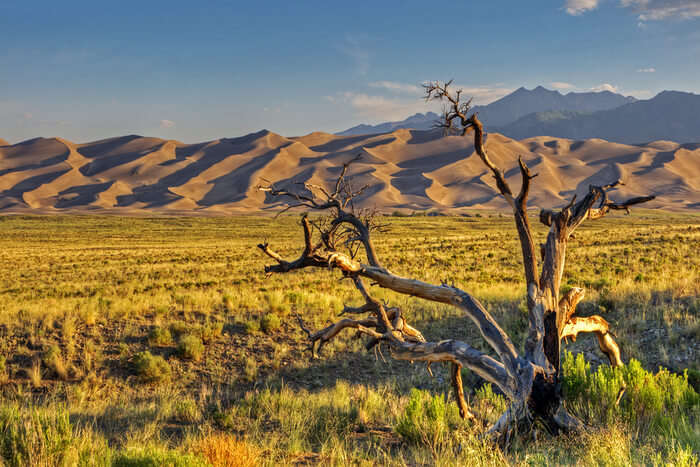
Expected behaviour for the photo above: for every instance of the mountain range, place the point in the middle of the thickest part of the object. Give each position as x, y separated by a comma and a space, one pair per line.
405, 169
670, 115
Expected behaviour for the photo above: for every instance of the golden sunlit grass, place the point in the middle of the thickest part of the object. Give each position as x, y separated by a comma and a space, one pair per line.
161, 341
226, 451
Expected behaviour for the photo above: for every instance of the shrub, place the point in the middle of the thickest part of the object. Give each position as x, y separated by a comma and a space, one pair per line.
37, 437
151, 368
154, 457
186, 411
250, 369
191, 347
270, 322
212, 331
252, 326
427, 420
662, 403
178, 328
227, 301
53, 361
276, 302
160, 336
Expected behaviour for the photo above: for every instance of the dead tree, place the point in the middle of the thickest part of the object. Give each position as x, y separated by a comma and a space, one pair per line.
530, 380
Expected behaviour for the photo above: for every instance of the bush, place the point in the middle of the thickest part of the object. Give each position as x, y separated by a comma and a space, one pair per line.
212, 331
191, 347
151, 368
160, 336
153, 457
39, 437
427, 420
663, 403
186, 411
270, 322
252, 326
53, 361
179, 328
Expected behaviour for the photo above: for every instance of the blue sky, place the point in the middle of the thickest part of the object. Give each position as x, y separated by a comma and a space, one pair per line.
195, 71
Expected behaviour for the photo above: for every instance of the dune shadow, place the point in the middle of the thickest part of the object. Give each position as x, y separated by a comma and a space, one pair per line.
32, 183
234, 185
38, 165
344, 142
81, 195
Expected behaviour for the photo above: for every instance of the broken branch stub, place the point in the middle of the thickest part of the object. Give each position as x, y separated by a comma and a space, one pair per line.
530, 381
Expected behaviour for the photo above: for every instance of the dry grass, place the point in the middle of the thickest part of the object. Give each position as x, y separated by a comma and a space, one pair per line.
223, 450
143, 286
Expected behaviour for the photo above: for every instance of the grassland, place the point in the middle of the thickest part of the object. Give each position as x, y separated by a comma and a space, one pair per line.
134, 341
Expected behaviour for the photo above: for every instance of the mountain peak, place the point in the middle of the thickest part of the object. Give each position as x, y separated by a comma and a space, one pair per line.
510, 108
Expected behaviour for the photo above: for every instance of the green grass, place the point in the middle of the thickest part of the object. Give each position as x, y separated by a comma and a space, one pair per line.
150, 341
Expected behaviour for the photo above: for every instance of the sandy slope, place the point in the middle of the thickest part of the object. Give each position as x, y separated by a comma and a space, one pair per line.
405, 169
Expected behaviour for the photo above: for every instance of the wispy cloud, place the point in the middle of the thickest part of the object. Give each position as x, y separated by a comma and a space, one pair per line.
484, 94
390, 108
381, 108
646, 10
167, 124
480, 94
393, 86
654, 10
647, 70
560, 85
605, 87
578, 7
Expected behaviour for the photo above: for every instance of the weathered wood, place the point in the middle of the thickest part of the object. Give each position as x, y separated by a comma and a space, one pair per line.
531, 381
456, 377
601, 328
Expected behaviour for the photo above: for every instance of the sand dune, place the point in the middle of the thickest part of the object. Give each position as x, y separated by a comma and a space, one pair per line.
406, 170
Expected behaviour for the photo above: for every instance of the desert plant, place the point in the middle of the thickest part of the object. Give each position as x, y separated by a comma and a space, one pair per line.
154, 456
427, 419
160, 336
212, 331
186, 411
53, 360
270, 322
151, 368
190, 347
37, 437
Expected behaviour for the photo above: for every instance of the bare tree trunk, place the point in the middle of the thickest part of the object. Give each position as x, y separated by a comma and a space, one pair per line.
530, 381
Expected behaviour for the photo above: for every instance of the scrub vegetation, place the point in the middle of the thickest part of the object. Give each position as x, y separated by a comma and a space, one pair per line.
137, 341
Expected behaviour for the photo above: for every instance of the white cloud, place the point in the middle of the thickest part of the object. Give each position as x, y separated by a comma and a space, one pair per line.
373, 108
647, 70
654, 10
605, 87
639, 93
382, 108
482, 95
646, 10
578, 7
561, 85
393, 86
167, 124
